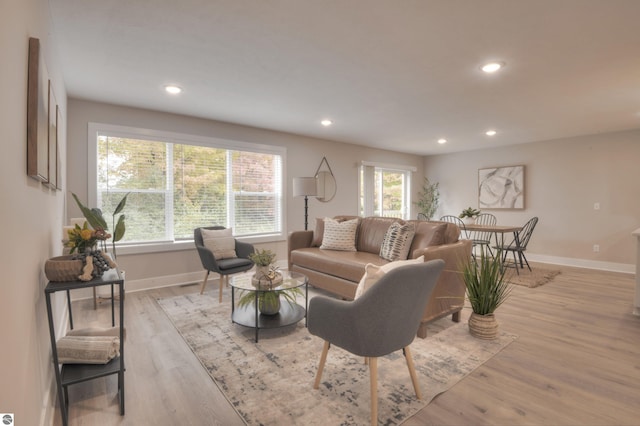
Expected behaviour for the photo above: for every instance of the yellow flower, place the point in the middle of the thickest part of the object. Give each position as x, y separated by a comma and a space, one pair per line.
86, 234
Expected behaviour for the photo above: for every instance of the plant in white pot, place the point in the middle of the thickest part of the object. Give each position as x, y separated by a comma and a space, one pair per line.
469, 215
487, 289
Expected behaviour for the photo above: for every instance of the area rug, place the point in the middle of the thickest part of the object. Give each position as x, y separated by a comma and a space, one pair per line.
271, 382
534, 278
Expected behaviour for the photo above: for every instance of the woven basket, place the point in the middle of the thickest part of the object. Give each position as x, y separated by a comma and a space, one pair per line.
63, 268
483, 326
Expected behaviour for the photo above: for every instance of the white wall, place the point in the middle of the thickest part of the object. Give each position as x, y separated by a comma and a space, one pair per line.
31, 217
563, 180
303, 158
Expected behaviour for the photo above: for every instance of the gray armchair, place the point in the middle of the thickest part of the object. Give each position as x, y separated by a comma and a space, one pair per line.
224, 267
383, 320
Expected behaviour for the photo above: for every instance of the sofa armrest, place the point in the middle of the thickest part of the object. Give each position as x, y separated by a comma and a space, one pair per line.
297, 240
455, 255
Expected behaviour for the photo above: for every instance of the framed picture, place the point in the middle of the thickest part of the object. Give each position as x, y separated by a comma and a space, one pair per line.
52, 131
58, 127
37, 115
501, 188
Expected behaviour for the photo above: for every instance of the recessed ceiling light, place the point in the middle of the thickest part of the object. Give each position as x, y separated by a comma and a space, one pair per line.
492, 67
174, 90
441, 141
490, 133
326, 123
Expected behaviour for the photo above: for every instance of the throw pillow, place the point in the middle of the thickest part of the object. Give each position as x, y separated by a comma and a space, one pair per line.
339, 235
220, 242
397, 241
373, 273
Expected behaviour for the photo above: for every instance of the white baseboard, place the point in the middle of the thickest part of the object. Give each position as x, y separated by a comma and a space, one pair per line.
583, 263
167, 281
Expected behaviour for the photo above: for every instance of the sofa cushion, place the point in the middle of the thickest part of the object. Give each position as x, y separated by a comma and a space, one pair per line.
428, 234
371, 233
220, 242
348, 265
339, 235
397, 241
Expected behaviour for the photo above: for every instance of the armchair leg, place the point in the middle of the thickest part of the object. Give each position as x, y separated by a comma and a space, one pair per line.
373, 372
412, 371
323, 359
222, 278
204, 282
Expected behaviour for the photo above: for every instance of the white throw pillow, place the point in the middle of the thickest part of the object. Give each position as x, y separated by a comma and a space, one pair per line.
339, 235
397, 241
220, 242
372, 273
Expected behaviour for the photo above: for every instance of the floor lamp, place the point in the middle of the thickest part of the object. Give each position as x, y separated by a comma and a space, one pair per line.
305, 187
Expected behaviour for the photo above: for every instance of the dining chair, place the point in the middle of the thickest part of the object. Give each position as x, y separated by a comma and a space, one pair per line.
519, 245
482, 239
383, 320
223, 266
457, 221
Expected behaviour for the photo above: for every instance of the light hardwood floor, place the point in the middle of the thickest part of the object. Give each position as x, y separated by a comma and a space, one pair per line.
576, 362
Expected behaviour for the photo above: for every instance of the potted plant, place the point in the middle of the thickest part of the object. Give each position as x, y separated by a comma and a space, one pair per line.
469, 215
268, 298
266, 279
487, 288
265, 268
98, 223
429, 199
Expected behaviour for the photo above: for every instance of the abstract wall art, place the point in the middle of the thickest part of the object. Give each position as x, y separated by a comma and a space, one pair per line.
501, 187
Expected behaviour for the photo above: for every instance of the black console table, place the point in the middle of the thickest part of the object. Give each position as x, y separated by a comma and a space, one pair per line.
69, 374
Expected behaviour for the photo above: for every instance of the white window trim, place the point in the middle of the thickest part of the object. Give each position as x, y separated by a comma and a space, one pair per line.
178, 138
368, 193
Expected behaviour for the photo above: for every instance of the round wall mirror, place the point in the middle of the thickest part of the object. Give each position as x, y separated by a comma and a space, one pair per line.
327, 187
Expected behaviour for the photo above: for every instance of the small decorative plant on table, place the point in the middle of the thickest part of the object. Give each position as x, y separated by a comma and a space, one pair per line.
84, 240
469, 215
487, 288
266, 280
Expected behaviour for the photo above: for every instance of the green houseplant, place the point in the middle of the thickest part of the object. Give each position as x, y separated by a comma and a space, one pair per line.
266, 279
487, 289
96, 220
429, 198
469, 215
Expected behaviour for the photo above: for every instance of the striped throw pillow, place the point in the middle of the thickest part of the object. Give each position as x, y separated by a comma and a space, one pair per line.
339, 235
397, 241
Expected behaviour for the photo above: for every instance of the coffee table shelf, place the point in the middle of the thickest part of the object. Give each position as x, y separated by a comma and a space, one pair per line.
290, 313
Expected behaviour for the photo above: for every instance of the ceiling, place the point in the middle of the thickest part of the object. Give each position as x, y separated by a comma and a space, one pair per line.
396, 75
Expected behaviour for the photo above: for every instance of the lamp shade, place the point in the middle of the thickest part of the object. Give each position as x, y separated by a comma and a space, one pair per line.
303, 186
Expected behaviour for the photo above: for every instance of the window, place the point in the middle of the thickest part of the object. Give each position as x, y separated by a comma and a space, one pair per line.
385, 190
181, 182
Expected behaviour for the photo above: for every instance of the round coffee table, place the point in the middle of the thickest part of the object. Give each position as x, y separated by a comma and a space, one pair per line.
249, 316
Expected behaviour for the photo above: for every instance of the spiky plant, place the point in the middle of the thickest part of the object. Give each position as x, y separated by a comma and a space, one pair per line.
486, 284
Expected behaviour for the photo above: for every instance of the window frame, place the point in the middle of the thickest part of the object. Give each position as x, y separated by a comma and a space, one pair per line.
95, 129
366, 184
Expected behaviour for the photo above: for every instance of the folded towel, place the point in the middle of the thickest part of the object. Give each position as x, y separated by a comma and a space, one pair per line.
87, 349
98, 331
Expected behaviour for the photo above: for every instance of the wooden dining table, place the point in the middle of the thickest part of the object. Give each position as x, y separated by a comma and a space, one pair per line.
496, 230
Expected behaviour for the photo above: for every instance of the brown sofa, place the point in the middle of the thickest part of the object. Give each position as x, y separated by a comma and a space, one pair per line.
340, 271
